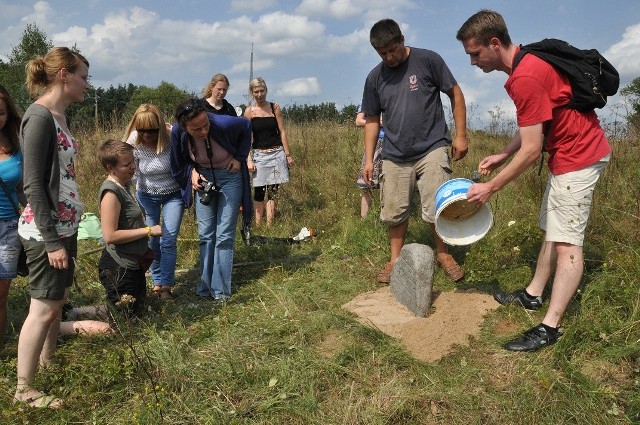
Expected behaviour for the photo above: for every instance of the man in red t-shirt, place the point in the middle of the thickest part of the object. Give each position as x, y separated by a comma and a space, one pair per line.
578, 151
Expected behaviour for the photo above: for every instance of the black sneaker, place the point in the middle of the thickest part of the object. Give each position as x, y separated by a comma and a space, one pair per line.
533, 339
520, 297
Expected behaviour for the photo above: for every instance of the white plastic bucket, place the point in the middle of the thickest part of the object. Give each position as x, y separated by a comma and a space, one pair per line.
459, 222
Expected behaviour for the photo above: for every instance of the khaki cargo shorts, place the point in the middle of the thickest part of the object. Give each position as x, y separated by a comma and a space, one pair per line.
567, 203
399, 180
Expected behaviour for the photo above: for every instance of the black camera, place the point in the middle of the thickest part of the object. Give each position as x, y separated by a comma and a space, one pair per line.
209, 189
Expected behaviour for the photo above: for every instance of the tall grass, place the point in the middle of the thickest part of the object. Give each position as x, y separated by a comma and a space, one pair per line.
284, 352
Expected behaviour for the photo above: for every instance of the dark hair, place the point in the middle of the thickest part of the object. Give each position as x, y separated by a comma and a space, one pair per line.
187, 110
110, 152
483, 26
12, 126
385, 32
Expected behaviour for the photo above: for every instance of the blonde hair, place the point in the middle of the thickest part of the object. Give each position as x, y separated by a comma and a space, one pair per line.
214, 80
257, 82
42, 71
148, 116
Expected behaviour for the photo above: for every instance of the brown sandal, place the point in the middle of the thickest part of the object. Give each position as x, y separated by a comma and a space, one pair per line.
157, 291
384, 276
450, 267
165, 294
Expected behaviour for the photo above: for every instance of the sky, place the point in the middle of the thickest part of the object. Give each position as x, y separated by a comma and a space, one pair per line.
308, 51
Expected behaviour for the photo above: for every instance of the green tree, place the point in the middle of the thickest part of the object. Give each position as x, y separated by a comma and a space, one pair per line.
632, 93
34, 43
348, 114
166, 97
104, 108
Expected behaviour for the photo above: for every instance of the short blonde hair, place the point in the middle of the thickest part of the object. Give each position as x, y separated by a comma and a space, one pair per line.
257, 82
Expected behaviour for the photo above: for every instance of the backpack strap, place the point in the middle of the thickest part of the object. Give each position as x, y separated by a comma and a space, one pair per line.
547, 125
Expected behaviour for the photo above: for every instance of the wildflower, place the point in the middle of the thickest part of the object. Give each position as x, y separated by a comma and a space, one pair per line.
126, 299
516, 249
511, 223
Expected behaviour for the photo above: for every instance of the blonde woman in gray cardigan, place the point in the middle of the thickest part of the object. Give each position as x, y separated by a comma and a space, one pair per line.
48, 225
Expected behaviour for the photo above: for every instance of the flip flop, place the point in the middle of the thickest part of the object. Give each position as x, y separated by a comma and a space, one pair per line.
41, 401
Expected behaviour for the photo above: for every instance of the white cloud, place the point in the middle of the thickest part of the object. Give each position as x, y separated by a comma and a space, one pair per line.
298, 87
372, 10
11, 34
624, 54
251, 5
339, 9
42, 14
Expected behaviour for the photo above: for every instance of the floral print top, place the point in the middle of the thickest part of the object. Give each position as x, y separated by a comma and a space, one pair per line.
70, 208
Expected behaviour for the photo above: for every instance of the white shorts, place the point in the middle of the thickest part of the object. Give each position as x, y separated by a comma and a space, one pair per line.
567, 203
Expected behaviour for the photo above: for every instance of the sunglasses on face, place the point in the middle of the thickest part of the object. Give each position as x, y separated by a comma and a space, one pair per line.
148, 130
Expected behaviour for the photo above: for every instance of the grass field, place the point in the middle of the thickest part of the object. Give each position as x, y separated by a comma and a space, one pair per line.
284, 352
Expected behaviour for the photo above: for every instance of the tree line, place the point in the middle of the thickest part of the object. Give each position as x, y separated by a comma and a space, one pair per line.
113, 106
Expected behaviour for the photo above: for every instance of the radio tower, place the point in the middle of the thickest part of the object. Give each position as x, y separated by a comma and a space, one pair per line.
250, 74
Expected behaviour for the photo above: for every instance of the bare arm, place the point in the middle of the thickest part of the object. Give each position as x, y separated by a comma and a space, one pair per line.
460, 144
527, 145
250, 164
109, 213
371, 130
283, 133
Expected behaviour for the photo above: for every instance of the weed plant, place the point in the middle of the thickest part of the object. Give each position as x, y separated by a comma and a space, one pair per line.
283, 351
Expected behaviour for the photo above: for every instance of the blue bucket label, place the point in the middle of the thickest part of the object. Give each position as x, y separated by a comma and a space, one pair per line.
454, 187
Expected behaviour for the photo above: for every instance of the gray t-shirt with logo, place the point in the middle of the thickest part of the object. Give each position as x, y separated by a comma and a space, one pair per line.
409, 98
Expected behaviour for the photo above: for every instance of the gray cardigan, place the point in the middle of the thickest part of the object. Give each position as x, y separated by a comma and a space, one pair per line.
41, 170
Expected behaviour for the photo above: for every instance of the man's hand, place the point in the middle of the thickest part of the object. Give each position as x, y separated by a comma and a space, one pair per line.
367, 172
459, 148
490, 163
480, 192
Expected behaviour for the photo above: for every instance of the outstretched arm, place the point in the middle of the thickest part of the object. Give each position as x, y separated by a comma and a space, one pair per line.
527, 144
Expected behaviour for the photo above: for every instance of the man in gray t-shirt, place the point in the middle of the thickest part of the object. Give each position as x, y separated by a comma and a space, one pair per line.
406, 87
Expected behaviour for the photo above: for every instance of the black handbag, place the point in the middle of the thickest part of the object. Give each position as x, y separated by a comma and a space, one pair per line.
23, 269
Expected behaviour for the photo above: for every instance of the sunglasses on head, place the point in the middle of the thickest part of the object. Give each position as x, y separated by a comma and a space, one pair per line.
192, 107
148, 130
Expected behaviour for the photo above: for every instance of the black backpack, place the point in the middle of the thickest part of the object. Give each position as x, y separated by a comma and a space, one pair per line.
591, 76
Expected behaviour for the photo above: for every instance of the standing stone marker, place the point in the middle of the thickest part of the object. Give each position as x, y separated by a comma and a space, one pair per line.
412, 278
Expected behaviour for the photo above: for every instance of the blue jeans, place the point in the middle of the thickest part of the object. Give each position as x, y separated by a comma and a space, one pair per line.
165, 247
217, 232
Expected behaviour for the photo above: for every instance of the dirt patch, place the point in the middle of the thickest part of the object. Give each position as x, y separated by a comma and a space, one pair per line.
331, 344
454, 317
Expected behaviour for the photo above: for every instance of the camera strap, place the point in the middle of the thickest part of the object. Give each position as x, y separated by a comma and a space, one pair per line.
207, 145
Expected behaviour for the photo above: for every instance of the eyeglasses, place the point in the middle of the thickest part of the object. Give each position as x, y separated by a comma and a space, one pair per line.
191, 108
148, 130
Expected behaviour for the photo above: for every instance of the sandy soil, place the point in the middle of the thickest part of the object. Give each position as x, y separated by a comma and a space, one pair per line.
454, 317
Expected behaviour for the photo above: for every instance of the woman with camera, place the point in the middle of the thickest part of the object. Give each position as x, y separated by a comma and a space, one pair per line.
208, 156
